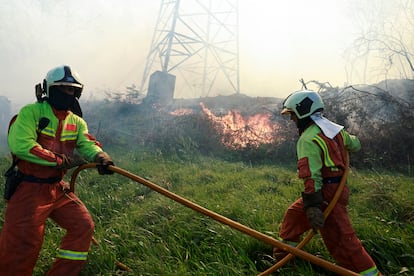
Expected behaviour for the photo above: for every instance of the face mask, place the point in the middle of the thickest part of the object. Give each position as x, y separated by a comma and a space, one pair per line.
60, 100
303, 124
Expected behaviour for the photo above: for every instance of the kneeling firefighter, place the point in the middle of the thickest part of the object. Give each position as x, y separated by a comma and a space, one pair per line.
321, 151
43, 139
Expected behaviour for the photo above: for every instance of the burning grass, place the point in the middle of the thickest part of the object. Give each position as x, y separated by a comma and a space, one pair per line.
238, 131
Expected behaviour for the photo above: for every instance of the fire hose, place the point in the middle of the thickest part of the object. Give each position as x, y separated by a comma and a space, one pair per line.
311, 233
236, 225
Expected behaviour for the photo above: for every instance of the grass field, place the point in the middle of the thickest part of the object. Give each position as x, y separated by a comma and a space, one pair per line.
154, 235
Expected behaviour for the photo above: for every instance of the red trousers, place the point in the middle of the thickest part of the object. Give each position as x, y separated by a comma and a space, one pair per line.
337, 233
23, 230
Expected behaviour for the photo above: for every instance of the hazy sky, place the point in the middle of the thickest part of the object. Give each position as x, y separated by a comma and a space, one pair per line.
107, 42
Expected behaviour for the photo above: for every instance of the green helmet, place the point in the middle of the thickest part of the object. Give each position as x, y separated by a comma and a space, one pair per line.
62, 75
303, 103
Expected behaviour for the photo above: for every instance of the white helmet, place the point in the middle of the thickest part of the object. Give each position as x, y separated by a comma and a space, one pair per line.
62, 75
303, 103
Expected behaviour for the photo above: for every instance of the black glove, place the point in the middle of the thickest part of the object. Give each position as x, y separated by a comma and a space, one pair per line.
312, 204
315, 217
103, 160
69, 162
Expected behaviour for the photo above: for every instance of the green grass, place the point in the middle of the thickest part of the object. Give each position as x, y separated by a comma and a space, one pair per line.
154, 235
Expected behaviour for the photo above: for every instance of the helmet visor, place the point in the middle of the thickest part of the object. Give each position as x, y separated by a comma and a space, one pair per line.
62, 83
285, 111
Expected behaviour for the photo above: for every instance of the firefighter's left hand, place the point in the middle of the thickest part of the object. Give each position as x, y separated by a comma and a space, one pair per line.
315, 217
103, 160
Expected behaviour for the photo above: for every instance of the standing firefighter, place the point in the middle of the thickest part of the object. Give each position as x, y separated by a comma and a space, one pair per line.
43, 139
321, 151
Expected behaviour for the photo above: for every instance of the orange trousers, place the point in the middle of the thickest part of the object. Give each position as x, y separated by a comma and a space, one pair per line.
337, 233
24, 226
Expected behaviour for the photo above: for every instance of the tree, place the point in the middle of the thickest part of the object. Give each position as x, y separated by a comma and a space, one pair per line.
385, 47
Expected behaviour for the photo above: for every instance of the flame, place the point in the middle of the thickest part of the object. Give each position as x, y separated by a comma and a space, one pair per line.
181, 112
239, 132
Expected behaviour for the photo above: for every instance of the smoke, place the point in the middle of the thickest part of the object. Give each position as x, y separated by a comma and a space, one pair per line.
105, 41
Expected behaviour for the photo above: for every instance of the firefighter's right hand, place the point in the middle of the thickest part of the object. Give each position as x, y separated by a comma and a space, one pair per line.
69, 162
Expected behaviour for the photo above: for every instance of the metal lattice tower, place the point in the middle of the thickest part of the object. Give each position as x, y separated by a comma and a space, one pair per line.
196, 43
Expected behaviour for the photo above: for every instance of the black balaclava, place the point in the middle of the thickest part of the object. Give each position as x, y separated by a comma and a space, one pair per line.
304, 123
59, 99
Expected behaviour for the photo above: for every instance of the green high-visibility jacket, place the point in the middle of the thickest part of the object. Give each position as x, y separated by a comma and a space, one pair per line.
39, 149
320, 157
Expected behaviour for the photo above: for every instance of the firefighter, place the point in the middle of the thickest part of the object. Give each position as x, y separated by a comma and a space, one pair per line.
321, 153
44, 137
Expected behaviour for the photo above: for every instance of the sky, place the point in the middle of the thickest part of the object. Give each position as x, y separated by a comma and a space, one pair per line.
107, 42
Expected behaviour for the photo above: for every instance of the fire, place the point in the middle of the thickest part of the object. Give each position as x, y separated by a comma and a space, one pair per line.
181, 112
239, 132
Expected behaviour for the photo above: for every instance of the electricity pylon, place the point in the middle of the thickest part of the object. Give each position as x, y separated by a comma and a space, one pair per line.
195, 49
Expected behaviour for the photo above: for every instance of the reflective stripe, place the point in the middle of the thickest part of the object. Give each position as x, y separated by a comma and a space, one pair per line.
66, 137
373, 271
72, 255
324, 147
48, 131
